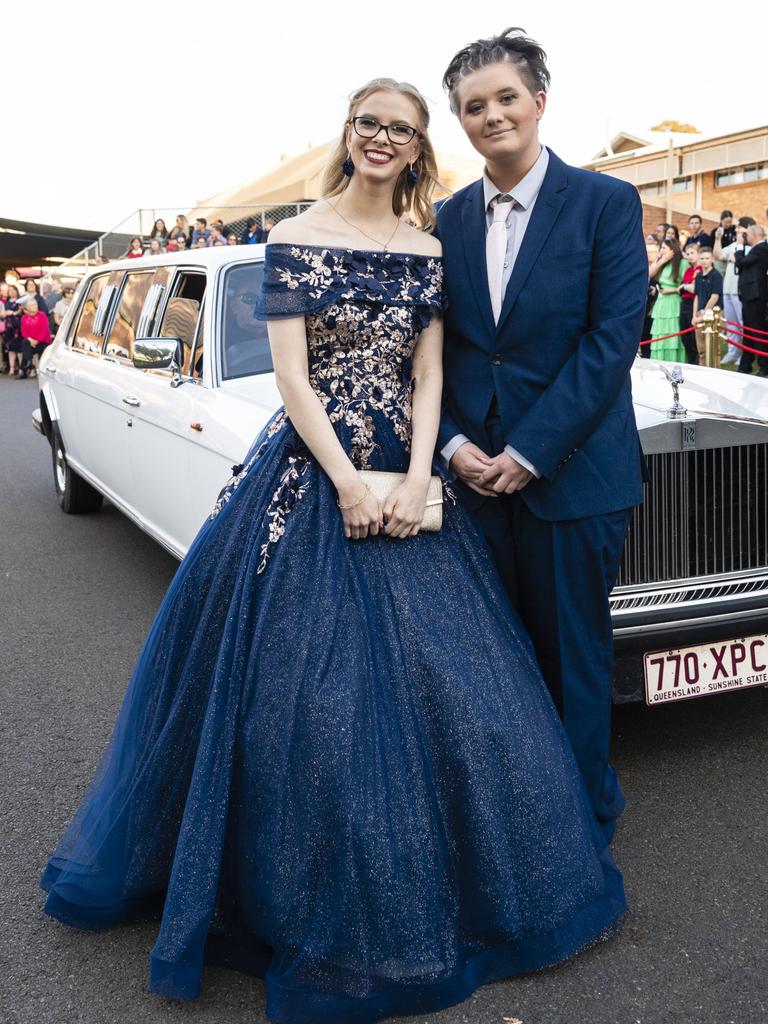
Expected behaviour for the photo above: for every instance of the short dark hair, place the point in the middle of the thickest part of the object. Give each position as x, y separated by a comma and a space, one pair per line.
694, 216
705, 248
202, 220
746, 222
511, 46
725, 213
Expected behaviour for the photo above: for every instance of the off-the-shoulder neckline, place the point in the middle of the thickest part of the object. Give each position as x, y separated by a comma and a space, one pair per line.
348, 249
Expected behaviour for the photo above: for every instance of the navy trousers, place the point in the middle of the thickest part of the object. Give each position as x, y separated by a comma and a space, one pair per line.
559, 576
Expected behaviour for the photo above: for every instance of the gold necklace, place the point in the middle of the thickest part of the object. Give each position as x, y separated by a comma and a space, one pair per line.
385, 245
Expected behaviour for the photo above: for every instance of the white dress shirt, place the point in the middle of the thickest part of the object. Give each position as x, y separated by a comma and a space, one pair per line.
525, 194
731, 278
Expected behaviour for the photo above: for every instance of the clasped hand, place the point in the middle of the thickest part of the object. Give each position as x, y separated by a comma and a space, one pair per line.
488, 476
400, 516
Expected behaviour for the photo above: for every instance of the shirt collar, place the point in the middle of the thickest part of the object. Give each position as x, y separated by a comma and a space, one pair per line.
527, 189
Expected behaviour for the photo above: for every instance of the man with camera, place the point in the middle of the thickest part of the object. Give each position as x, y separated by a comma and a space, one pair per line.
752, 268
725, 256
725, 233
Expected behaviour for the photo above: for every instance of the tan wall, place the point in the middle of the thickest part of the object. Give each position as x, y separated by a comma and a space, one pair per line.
749, 200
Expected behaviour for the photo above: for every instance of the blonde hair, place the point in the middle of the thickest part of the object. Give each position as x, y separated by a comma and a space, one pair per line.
407, 198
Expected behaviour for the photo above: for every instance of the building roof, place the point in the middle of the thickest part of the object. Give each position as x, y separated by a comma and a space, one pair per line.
619, 149
621, 143
24, 242
299, 178
293, 180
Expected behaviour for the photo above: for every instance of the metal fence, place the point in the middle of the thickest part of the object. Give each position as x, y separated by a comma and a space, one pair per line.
114, 244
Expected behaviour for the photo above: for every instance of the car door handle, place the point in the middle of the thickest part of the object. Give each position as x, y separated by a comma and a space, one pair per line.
130, 400
51, 370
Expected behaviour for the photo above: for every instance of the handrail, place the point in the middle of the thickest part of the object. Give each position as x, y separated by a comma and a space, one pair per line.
114, 244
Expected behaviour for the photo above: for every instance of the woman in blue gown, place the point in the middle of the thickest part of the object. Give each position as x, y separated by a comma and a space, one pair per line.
337, 766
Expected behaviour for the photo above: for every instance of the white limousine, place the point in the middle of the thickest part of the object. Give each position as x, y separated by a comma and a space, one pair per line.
160, 378
159, 443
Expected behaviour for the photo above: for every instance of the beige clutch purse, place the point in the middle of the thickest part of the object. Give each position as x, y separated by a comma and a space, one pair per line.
382, 484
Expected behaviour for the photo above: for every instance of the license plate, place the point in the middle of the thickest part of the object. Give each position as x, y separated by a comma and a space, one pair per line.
706, 669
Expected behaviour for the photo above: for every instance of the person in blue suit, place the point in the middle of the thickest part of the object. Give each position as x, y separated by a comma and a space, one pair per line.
546, 278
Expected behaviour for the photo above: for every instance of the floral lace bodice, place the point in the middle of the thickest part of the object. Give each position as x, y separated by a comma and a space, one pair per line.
364, 312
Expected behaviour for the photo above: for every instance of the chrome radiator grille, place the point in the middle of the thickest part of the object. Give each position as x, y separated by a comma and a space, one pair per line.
705, 513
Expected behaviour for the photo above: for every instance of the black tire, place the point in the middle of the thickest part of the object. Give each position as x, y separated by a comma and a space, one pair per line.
75, 494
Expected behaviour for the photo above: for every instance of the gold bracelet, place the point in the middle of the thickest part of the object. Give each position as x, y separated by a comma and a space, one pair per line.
355, 503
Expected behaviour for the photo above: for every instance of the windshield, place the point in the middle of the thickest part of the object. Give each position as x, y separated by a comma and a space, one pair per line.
245, 349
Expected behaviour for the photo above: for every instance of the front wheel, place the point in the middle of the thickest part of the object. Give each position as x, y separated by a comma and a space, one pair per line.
75, 494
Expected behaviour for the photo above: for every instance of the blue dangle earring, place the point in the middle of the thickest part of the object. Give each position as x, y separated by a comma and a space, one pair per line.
413, 176
348, 167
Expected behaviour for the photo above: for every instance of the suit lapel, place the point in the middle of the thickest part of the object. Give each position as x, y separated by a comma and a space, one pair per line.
549, 202
473, 236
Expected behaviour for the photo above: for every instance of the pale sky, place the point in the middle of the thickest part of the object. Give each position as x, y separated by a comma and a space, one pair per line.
161, 103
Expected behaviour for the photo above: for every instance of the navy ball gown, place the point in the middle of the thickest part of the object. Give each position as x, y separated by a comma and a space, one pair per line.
337, 766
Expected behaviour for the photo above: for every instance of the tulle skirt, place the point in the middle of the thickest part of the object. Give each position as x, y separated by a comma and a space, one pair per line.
337, 767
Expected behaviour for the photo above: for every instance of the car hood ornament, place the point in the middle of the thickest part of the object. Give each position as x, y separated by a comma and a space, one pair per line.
675, 377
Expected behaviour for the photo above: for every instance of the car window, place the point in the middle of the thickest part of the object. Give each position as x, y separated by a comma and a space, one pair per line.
83, 337
152, 302
245, 348
126, 320
199, 357
181, 316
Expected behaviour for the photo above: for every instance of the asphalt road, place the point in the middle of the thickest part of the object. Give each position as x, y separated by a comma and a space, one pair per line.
77, 595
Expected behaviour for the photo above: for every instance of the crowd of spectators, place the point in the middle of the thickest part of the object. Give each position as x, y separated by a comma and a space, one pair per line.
30, 315
698, 271
29, 318
202, 236
690, 272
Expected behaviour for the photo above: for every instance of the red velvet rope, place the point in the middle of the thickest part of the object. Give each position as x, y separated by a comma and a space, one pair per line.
746, 348
664, 337
748, 335
735, 328
754, 330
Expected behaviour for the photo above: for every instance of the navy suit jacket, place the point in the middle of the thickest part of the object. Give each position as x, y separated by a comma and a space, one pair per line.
558, 361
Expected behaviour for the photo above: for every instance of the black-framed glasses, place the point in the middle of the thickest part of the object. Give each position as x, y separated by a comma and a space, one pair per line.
398, 134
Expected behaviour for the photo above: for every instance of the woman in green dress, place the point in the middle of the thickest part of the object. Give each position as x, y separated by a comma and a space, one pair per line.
668, 272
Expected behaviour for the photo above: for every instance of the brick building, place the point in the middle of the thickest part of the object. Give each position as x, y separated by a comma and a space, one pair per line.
689, 173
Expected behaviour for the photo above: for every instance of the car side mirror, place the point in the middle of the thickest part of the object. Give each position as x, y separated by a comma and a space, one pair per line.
160, 354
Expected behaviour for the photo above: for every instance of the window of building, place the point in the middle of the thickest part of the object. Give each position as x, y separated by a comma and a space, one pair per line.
654, 188
684, 184
742, 175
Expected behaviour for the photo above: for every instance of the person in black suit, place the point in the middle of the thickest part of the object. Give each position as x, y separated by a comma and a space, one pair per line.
753, 291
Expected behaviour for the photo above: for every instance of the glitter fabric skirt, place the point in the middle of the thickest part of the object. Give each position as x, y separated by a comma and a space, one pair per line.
337, 767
